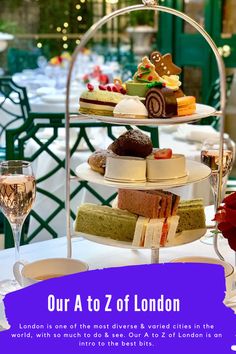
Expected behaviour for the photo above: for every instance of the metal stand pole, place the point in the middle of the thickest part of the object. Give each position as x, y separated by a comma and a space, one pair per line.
147, 5
155, 255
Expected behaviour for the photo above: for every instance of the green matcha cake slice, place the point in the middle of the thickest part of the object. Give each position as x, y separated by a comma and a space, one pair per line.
105, 221
192, 215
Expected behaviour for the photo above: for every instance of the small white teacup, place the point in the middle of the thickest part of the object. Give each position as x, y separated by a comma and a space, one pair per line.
229, 271
30, 273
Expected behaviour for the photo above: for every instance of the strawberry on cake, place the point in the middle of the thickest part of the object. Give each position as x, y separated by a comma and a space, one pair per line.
100, 101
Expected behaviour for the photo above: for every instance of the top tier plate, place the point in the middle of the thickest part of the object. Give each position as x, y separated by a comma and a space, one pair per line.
202, 111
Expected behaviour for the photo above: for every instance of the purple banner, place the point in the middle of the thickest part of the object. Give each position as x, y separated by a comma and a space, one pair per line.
166, 308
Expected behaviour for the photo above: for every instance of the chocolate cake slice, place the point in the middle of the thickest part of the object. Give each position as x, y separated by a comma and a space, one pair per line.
161, 103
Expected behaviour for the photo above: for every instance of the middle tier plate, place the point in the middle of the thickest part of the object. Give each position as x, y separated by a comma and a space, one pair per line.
196, 172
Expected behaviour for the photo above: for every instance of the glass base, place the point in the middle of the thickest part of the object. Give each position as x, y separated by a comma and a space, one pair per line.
209, 239
8, 286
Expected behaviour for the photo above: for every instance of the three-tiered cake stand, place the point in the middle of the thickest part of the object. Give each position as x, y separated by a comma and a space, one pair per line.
197, 171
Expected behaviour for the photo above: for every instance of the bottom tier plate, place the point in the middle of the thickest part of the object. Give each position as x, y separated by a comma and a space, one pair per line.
180, 239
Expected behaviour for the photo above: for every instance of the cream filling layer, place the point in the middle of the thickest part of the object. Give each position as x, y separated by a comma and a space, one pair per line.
96, 106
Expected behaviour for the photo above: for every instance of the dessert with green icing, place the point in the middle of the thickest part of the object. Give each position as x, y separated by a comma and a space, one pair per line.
145, 74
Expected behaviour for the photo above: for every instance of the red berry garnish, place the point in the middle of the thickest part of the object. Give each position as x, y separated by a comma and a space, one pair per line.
114, 89
150, 78
147, 66
102, 87
109, 88
123, 91
90, 87
140, 75
163, 154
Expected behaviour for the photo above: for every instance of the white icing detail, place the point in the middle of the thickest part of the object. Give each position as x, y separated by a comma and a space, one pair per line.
131, 106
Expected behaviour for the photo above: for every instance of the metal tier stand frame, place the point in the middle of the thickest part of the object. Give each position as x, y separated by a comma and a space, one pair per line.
147, 5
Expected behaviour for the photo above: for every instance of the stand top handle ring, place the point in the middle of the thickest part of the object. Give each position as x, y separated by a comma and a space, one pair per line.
150, 5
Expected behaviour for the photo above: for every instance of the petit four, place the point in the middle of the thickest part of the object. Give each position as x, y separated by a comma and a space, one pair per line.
186, 105
132, 143
99, 102
137, 89
156, 83
150, 204
146, 72
161, 102
125, 168
105, 221
97, 161
164, 64
146, 75
130, 107
162, 169
192, 215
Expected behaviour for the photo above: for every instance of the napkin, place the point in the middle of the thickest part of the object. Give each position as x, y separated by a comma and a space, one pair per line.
197, 133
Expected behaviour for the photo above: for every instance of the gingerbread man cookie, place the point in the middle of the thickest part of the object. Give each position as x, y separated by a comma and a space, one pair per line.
164, 65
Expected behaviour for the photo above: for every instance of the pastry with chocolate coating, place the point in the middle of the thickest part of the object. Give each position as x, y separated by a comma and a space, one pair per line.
161, 103
132, 143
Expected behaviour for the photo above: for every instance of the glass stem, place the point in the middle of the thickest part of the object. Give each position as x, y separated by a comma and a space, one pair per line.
16, 230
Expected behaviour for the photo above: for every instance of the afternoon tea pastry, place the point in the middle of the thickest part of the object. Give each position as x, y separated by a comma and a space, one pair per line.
132, 143
171, 82
146, 72
125, 169
186, 105
97, 161
99, 102
161, 102
130, 107
164, 64
165, 168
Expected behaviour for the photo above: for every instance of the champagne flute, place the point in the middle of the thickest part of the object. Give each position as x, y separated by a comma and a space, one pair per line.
210, 157
17, 195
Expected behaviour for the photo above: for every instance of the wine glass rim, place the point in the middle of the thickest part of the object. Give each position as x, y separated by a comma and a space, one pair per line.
15, 163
